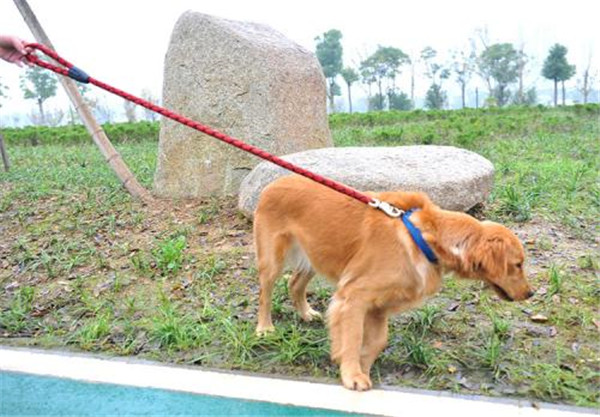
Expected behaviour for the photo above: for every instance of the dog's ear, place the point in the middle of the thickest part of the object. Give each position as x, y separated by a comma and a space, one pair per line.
489, 259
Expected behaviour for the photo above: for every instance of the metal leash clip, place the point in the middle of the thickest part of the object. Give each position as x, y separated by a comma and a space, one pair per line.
387, 208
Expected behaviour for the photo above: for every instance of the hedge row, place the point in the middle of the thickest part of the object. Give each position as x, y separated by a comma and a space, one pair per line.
379, 118
75, 134
468, 123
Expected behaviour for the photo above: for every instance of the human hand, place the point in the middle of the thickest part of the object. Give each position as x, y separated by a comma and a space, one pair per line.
13, 49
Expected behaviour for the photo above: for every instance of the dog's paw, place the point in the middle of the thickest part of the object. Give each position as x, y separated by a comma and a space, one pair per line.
264, 330
310, 315
357, 382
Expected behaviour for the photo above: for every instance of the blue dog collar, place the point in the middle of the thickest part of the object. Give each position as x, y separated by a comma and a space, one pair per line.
417, 236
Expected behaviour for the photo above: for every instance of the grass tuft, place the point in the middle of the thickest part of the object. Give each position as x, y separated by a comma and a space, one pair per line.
169, 255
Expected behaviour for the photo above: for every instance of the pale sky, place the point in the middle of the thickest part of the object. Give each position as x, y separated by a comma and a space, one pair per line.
124, 42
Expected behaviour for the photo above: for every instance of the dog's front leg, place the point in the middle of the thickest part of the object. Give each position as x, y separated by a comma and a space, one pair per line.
375, 338
346, 322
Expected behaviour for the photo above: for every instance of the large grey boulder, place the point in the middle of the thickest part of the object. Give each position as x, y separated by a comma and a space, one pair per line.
245, 80
455, 179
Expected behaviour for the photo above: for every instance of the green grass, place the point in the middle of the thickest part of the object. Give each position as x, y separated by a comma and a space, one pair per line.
16, 317
169, 255
173, 330
555, 279
85, 267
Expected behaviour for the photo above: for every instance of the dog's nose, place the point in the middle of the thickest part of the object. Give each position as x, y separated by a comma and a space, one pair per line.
530, 294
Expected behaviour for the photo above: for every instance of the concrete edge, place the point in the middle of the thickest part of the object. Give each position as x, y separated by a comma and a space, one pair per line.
388, 402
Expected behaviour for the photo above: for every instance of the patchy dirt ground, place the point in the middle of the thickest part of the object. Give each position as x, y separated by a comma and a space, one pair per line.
109, 277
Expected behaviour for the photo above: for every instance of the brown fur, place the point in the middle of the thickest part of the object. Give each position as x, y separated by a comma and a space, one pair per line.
373, 260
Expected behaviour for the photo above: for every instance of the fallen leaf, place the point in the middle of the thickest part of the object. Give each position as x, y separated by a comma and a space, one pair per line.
453, 307
539, 318
463, 382
596, 323
452, 369
438, 344
567, 367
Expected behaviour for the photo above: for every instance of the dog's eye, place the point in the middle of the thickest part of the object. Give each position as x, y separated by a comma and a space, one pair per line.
519, 265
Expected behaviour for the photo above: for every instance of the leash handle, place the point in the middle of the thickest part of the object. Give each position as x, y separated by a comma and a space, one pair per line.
71, 71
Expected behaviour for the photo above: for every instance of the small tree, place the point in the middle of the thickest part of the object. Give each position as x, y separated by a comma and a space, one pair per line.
104, 113
463, 67
329, 53
498, 65
377, 102
383, 65
528, 98
149, 114
39, 85
436, 97
585, 84
2, 91
350, 76
522, 61
130, 111
556, 68
413, 65
399, 101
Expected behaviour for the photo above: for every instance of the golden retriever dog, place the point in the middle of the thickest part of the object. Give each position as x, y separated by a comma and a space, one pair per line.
373, 260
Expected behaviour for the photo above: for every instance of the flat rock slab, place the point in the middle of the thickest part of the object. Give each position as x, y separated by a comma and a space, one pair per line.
455, 179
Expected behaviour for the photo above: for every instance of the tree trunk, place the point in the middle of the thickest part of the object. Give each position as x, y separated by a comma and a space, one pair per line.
111, 155
380, 94
412, 85
555, 92
462, 94
520, 93
476, 97
349, 99
4, 154
42, 115
563, 92
585, 91
331, 103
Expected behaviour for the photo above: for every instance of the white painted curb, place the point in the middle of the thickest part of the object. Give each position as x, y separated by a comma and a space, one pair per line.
298, 393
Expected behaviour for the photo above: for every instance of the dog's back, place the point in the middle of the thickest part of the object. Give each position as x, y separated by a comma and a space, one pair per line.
327, 226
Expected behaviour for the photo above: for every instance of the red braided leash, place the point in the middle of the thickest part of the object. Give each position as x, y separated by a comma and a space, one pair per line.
69, 70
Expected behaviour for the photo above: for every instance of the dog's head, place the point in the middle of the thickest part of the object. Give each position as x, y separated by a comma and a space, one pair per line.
498, 258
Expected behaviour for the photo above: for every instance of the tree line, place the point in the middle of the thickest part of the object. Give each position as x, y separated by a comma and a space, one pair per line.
39, 85
499, 65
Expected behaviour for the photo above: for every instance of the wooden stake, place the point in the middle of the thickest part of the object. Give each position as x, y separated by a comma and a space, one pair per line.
4, 154
93, 127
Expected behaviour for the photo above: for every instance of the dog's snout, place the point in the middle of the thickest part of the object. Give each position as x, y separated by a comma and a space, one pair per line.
530, 294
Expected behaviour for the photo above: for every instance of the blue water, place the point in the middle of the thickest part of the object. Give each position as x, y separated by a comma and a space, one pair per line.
31, 395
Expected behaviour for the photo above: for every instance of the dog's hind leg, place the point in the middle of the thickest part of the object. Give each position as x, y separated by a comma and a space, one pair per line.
297, 286
271, 251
